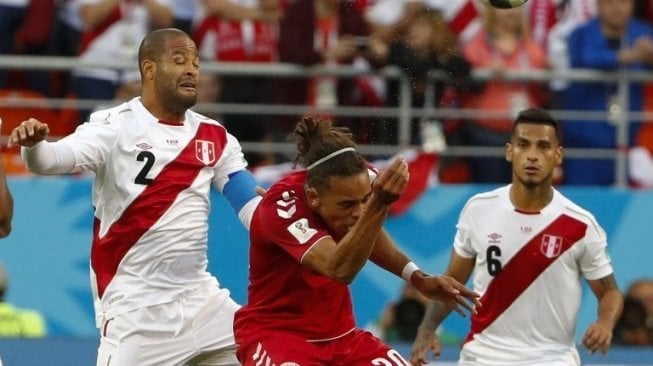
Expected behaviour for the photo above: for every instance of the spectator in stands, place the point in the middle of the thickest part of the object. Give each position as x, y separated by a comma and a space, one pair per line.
16, 322
427, 45
185, 13
611, 41
12, 13
243, 31
632, 328
400, 318
65, 37
320, 32
635, 327
502, 45
553, 34
113, 30
642, 290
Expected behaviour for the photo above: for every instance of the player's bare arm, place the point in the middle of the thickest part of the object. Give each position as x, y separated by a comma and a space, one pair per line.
28, 133
342, 262
426, 340
460, 269
598, 336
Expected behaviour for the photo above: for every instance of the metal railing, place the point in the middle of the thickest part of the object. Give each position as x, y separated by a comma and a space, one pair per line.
403, 112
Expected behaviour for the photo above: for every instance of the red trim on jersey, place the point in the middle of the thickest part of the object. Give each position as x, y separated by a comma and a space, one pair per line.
527, 212
522, 270
146, 209
171, 123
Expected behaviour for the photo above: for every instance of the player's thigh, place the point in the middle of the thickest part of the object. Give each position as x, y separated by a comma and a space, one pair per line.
278, 348
364, 349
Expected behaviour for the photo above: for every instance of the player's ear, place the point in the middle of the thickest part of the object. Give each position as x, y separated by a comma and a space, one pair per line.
313, 197
148, 67
508, 152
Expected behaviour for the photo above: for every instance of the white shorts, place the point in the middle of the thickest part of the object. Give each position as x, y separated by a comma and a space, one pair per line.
195, 330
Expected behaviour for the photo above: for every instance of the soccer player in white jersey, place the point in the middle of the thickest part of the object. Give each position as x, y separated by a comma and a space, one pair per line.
528, 247
154, 162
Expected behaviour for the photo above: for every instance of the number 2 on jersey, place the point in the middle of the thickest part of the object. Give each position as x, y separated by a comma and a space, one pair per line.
142, 178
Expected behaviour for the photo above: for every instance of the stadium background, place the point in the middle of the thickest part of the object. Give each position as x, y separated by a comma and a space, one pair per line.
48, 252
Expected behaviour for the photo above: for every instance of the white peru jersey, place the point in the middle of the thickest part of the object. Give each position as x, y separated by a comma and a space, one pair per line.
528, 271
151, 197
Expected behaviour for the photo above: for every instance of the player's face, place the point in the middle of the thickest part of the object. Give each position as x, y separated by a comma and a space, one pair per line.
342, 203
177, 74
534, 152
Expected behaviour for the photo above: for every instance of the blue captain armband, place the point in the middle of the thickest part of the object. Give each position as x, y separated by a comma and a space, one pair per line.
240, 189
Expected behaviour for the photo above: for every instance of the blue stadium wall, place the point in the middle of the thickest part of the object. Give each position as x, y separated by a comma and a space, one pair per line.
47, 254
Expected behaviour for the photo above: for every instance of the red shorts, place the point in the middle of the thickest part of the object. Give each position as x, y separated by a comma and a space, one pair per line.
358, 347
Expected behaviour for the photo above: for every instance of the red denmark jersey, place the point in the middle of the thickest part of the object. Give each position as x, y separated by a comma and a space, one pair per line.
283, 294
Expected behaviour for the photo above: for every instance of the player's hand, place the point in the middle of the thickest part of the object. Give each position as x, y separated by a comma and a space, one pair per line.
448, 291
28, 133
597, 338
424, 341
391, 183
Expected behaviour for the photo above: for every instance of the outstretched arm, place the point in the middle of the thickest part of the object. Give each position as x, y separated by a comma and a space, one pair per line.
460, 268
599, 334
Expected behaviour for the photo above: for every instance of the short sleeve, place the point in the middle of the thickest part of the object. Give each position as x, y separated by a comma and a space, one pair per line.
289, 223
463, 240
594, 261
231, 161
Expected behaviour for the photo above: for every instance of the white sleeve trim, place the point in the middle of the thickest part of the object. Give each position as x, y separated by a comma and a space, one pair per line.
49, 158
247, 211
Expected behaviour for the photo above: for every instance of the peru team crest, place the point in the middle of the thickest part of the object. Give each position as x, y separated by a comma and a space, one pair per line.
205, 151
551, 246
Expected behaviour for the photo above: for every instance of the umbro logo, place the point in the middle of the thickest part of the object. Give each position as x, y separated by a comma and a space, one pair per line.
144, 146
495, 238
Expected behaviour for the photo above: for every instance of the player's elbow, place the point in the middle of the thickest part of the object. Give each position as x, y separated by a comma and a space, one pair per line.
343, 275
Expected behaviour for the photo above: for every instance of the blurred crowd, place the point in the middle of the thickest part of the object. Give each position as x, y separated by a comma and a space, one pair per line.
454, 37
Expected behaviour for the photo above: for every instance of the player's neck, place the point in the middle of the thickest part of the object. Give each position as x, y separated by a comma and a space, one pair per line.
161, 112
530, 199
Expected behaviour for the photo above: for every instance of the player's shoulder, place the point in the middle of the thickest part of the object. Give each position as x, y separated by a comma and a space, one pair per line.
485, 198
286, 189
198, 117
112, 117
574, 210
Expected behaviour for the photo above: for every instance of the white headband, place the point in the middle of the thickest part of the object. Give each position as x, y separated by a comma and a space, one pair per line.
335, 153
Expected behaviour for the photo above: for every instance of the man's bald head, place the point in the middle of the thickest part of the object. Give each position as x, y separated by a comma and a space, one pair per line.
154, 44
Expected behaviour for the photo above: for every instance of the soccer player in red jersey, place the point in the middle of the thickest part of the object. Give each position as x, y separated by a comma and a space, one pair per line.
310, 236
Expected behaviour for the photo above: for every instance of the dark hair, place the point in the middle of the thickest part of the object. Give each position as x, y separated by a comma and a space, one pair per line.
538, 116
153, 45
317, 138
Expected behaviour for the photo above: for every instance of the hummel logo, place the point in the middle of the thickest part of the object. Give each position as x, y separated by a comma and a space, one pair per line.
144, 146
286, 205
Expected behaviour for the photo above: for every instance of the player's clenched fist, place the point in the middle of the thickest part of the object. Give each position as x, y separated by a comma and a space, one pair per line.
391, 183
28, 133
